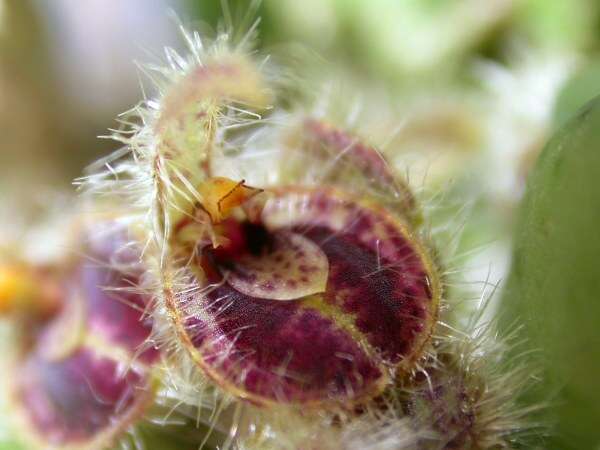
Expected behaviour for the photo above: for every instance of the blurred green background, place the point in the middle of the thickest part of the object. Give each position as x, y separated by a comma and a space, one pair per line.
66, 67
471, 89
474, 88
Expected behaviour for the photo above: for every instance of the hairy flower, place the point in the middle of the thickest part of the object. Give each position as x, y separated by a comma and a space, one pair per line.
296, 293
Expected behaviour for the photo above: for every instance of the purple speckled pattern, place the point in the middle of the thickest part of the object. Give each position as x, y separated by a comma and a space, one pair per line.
388, 304
334, 345
279, 351
72, 400
293, 267
359, 167
362, 156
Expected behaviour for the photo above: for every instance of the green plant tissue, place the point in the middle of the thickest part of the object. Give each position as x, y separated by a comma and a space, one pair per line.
553, 289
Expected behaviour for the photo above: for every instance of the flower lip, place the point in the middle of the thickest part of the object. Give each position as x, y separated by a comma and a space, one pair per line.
278, 266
